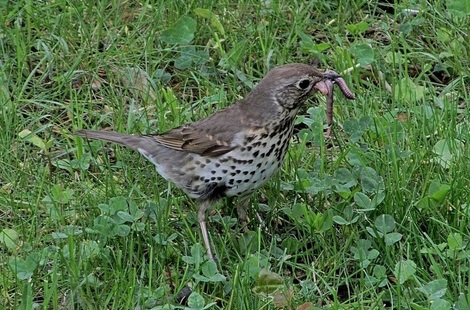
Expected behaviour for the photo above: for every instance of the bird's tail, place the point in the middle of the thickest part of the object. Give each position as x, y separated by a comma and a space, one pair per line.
133, 142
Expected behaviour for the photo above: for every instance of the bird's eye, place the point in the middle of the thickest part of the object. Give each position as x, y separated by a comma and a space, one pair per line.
304, 84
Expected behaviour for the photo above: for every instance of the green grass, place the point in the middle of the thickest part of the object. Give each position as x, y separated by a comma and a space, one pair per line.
380, 220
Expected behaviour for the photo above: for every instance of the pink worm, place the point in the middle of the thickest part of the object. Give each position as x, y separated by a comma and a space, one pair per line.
329, 103
344, 88
333, 77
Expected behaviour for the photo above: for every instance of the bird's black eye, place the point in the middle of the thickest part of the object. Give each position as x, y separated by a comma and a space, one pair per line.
304, 84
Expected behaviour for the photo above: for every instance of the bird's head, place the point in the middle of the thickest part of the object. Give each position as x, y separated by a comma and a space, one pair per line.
291, 84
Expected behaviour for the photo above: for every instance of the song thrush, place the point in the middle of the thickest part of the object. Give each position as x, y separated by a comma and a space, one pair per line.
236, 150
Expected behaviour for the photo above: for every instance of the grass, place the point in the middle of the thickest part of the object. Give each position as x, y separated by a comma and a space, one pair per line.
378, 220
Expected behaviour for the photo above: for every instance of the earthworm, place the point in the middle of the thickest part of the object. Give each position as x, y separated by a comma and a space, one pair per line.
329, 103
344, 88
333, 77
336, 78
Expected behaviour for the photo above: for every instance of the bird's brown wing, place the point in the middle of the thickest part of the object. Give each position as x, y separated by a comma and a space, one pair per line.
212, 136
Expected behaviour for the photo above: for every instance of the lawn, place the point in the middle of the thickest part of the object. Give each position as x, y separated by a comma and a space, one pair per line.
376, 217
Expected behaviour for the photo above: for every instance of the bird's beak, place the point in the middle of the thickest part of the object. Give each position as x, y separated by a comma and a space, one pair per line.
325, 86
330, 77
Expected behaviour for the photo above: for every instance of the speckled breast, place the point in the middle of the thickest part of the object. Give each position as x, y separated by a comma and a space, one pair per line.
258, 156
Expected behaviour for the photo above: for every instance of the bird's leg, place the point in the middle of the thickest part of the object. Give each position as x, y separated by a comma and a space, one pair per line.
201, 216
242, 206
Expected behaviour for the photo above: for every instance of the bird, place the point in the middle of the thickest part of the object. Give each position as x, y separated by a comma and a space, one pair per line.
236, 150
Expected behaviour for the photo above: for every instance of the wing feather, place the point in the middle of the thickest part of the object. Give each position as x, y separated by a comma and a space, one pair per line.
212, 136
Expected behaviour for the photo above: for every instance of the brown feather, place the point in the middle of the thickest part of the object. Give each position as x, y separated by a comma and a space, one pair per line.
212, 136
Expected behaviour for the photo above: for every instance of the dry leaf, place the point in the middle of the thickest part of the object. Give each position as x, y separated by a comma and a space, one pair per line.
305, 306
